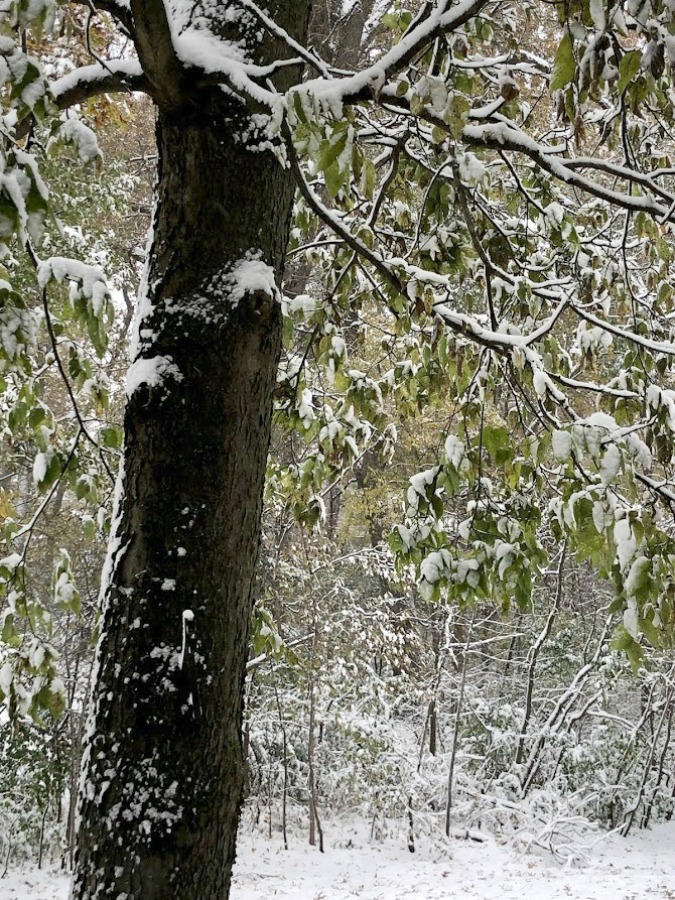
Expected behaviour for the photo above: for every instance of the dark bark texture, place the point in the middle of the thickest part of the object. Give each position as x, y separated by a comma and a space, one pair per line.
163, 771
338, 35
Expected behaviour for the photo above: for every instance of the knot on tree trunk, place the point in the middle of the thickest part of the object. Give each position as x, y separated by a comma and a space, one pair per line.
259, 305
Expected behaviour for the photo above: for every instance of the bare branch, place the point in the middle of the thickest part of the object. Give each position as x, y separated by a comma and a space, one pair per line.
118, 11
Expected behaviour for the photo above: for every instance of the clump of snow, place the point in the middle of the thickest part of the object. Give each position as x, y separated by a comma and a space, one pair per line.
85, 280
433, 567
593, 339
151, 372
251, 276
626, 545
306, 408
82, 138
188, 618
40, 466
454, 451
418, 485
562, 445
471, 169
630, 619
611, 464
540, 382
637, 572
555, 212
303, 303
6, 678
198, 47
11, 562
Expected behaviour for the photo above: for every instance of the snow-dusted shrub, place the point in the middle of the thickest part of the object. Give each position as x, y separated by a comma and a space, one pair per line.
33, 775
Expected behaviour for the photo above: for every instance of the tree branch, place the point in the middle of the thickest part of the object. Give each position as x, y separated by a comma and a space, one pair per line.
153, 38
113, 76
504, 135
118, 11
367, 84
283, 35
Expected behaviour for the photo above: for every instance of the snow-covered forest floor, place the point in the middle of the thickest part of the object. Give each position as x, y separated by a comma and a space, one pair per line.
640, 867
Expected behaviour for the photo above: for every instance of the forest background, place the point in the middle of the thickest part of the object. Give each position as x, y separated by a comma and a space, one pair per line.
464, 598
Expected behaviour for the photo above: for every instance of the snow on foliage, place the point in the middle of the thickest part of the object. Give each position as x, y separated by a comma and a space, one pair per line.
84, 280
84, 139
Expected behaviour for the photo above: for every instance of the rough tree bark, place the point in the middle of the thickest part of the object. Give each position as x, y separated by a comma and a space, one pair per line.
337, 29
163, 769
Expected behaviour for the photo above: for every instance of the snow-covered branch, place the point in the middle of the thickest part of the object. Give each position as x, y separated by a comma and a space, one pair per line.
506, 135
115, 75
422, 32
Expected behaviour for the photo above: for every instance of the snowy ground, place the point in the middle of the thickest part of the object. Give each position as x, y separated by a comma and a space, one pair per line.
639, 868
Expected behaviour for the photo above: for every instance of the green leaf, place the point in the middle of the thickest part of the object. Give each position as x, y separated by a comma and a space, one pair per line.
497, 442
9, 634
564, 64
621, 640
368, 178
335, 179
299, 108
111, 437
36, 417
395, 541
650, 631
456, 115
331, 149
628, 68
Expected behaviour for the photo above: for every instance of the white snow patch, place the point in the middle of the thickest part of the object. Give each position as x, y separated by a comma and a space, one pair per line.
354, 866
86, 281
40, 468
82, 137
151, 372
251, 276
630, 620
471, 169
611, 464
86, 74
198, 47
562, 445
454, 451
626, 545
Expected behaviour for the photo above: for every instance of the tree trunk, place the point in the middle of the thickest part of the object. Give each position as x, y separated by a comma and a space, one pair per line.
339, 35
163, 768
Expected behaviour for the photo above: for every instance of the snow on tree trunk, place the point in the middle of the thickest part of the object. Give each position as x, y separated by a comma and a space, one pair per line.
163, 768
